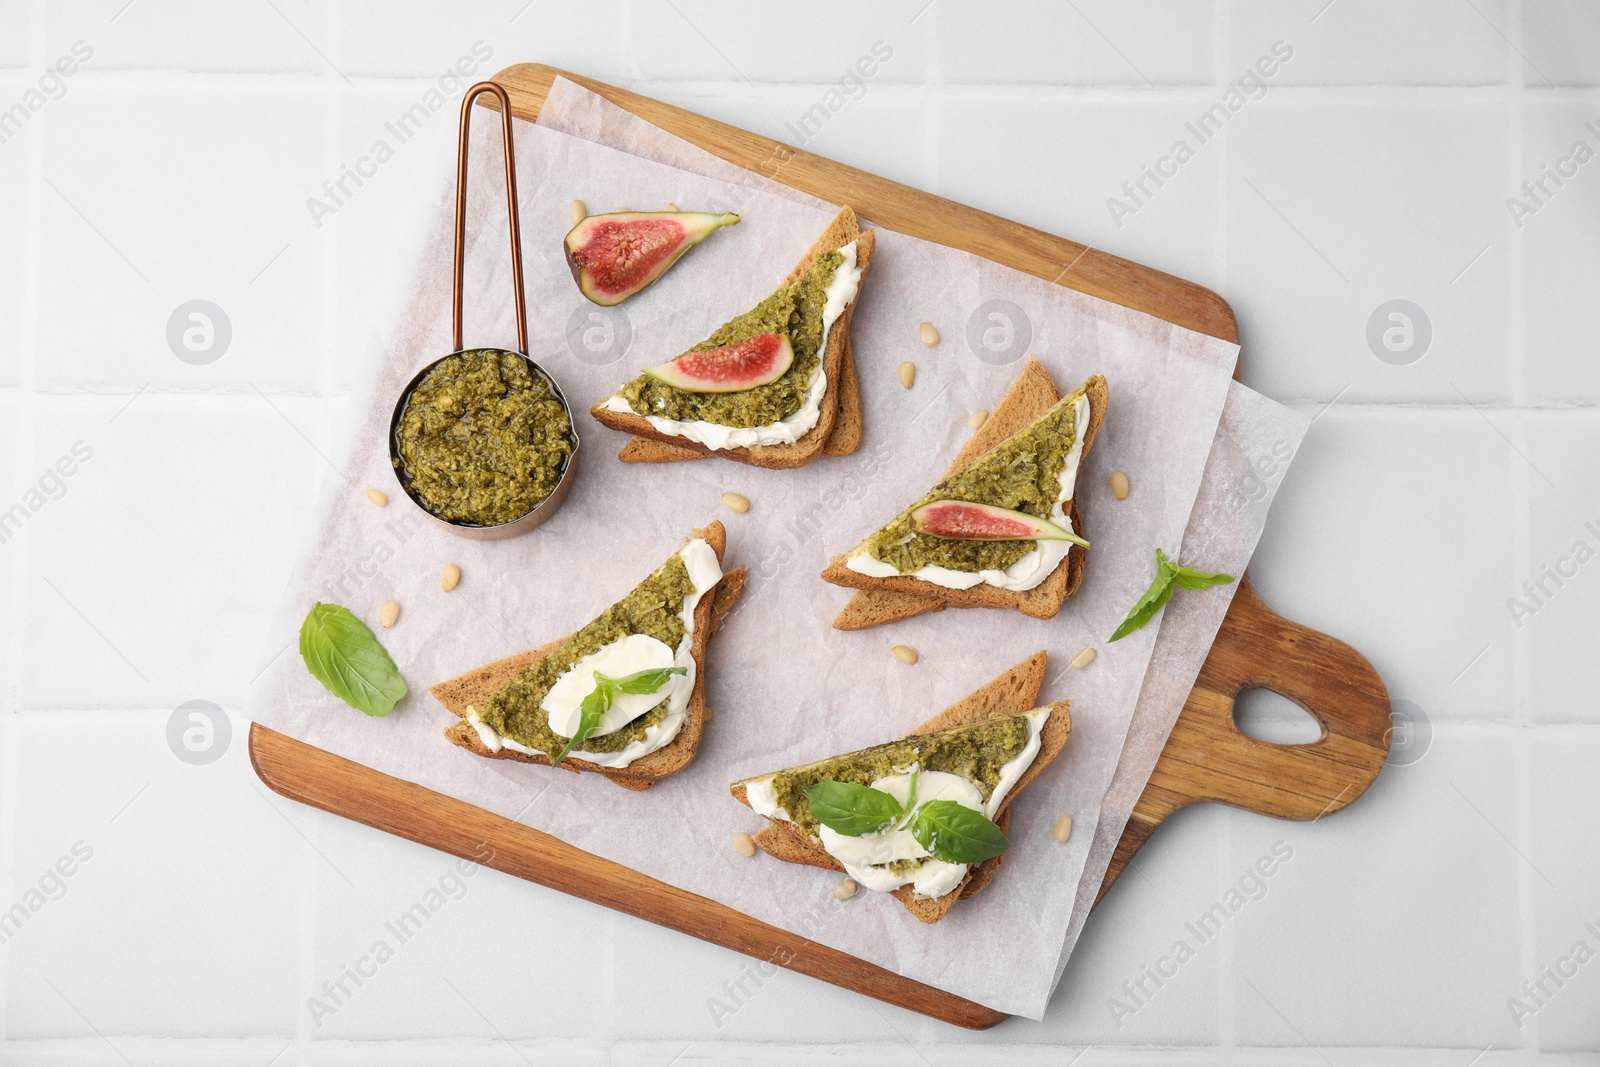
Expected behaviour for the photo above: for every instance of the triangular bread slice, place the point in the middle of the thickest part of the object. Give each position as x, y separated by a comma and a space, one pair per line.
650, 445
1030, 395
463, 692
886, 600
1013, 692
843, 441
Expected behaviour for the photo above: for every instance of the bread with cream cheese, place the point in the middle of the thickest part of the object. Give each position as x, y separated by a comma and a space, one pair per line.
1013, 692
460, 694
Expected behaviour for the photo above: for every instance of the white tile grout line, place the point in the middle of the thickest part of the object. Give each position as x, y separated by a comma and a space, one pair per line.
1334, 92
630, 57
1516, 344
9, 795
328, 258
1527, 905
1522, 519
330, 245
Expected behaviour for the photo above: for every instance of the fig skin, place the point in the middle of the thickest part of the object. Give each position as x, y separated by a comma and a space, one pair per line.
586, 251
778, 363
1035, 528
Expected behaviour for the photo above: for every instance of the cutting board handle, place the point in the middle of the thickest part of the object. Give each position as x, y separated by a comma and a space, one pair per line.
1335, 684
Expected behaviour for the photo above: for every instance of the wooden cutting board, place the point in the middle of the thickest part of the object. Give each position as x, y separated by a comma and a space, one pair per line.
1206, 758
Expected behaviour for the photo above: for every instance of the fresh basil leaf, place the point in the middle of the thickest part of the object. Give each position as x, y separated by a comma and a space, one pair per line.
640, 682
957, 834
606, 689
1154, 598
345, 656
850, 809
1190, 578
594, 706
1169, 576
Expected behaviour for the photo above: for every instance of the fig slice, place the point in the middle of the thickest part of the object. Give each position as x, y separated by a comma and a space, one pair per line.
729, 369
614, 256
959, 520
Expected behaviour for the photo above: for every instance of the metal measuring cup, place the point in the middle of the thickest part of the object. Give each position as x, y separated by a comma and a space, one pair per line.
548, 506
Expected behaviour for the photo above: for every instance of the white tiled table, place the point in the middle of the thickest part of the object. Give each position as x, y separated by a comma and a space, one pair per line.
176, 164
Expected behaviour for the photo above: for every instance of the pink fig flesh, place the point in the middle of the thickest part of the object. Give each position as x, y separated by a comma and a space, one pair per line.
614, 256
730, 369
959, 520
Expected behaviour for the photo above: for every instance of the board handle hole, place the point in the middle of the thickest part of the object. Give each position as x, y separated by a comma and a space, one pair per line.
1274, 718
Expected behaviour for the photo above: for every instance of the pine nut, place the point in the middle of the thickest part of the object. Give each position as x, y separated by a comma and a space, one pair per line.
451, 577
908, 374
1084, 658
389, 614
929, 335
378, 497
577, 212
745, 845
1119, 485
705, 716
845, 890
624, 210
977, 418
1063, 828
671, 206
904, 653
736, 502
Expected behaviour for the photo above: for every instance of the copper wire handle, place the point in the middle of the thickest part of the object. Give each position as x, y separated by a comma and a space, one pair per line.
511, 207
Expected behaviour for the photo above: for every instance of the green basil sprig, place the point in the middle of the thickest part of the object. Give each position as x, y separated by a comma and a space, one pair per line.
1169, 576
956, 834
607, 689
852, 810
345, 656
950, 831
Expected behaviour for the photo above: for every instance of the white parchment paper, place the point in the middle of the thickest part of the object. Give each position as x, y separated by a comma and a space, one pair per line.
1255, 443
786, 687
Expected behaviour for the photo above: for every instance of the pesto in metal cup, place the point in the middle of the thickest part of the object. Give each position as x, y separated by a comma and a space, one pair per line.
482, 440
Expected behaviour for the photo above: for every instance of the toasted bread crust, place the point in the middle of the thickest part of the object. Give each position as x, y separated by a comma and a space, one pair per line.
460, 693
875, 607
1014, 691
1029, 396
848, 424
650, 445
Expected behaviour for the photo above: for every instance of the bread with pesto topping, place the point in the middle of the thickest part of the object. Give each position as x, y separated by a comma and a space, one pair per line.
881, 600
1014, 692
839, 421
459, 695
843, 441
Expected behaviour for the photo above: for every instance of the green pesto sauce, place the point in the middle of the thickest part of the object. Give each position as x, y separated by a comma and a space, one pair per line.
976, 752
1023, 474
796, 311
652, 608
482, 438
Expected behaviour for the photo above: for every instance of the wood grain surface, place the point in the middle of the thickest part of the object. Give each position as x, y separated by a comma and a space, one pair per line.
1206, 759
